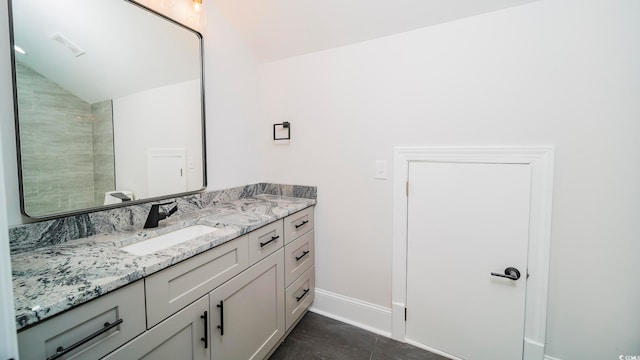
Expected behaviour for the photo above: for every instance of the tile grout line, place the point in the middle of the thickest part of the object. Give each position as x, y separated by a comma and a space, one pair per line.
374, 347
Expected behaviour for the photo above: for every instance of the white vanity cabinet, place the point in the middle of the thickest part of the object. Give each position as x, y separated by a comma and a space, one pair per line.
247, 312
88, 331
182, 336
235, 301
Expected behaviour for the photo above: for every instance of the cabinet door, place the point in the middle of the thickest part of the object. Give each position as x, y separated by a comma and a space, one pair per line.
247, 312
182, 336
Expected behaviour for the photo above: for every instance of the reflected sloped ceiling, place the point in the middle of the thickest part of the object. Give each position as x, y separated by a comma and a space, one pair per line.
102, 49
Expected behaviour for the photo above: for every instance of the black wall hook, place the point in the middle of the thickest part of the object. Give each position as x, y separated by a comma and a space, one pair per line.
285, 125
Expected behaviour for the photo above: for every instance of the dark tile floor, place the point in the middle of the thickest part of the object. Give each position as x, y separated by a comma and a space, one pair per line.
319, 337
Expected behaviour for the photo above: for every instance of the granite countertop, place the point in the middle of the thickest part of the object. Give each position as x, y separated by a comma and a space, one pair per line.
50, 280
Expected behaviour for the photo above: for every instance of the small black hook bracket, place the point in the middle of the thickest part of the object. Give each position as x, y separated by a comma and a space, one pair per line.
284, 125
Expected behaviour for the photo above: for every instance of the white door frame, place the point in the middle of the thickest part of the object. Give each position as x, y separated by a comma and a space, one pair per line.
541, 159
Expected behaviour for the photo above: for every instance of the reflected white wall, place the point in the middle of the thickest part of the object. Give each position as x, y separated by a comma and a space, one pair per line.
166, 117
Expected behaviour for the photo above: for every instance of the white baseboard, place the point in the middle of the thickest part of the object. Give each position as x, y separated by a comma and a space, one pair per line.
377, 319
533, 350
432, 350
370, 317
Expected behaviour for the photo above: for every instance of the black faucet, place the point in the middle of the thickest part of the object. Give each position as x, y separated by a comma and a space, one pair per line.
156, 215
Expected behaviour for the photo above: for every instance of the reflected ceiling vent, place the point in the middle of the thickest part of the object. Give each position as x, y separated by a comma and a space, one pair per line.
64, 41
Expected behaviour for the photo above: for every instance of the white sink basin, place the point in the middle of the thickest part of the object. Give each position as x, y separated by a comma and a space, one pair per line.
162, 242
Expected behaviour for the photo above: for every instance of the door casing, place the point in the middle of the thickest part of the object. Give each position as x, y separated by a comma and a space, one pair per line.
541, 159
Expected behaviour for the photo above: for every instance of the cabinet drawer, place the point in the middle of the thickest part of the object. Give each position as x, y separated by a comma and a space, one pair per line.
299, 296
298, 257
179, 285
265, 241
127, 304
297, 224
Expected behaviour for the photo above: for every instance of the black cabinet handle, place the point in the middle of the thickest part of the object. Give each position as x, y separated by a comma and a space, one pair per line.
304, 293
221, 326
509, 273
304, 253
61, 351
301, 224
273, 238
206, 329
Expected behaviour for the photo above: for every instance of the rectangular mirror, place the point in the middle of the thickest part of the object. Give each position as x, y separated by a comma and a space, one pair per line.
109, 105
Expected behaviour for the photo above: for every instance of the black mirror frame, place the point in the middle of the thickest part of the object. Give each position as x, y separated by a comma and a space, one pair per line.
118, 205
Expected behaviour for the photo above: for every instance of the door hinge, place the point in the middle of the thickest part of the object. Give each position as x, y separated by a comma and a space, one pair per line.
407, 188
405, 314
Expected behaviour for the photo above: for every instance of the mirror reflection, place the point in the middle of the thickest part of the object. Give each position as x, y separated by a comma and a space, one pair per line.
109, 105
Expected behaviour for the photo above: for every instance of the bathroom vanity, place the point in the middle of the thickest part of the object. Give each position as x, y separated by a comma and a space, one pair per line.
232, 293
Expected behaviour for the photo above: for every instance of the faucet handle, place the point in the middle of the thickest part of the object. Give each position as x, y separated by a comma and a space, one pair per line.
156, 215
172, 210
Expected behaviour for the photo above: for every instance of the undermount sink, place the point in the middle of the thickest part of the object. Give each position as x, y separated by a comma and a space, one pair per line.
167, 240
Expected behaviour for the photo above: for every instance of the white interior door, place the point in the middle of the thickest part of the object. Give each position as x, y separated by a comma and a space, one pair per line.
466, 221
167, 171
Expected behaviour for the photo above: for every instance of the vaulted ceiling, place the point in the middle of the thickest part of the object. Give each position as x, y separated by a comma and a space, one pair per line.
277, 29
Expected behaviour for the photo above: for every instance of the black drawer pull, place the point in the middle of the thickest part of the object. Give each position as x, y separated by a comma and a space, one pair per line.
273, 238
221, 326
304, 293
61, 351
301, 224
206, 329
304, 253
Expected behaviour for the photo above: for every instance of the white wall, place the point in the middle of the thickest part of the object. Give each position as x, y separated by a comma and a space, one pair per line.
157, 118
8, 345
561, 72
8, 179
232, 107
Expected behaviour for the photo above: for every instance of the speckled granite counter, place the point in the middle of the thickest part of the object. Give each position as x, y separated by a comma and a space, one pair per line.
50, 279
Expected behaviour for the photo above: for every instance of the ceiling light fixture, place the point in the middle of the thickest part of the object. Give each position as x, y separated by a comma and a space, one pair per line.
19, 50
197, 4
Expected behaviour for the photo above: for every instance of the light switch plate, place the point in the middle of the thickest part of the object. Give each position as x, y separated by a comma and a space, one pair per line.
381, 169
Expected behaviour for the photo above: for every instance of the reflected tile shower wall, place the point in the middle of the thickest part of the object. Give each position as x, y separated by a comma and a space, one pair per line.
55, 139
